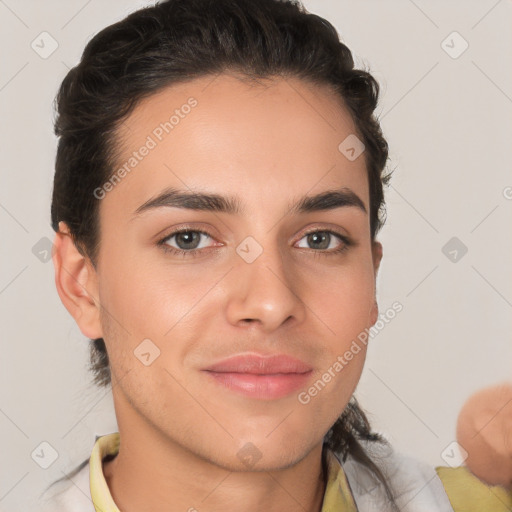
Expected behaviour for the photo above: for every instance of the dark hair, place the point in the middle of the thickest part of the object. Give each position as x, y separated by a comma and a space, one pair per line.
179, 40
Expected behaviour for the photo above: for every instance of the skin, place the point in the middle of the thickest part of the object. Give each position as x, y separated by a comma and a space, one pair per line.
484, 430
269, 144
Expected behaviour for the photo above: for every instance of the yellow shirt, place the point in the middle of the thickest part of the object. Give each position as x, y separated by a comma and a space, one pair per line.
466, 493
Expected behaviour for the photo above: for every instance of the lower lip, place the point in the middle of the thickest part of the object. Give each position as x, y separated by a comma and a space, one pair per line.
263, 387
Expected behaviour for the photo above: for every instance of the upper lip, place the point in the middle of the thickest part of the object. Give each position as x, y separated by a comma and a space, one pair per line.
260, 365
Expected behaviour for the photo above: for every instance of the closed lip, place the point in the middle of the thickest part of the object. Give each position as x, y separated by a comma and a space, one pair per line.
260, 364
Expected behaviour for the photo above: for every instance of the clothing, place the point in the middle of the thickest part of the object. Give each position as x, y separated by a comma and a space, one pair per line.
350, 486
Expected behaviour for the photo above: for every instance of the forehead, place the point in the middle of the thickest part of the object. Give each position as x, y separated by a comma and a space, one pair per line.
266, 141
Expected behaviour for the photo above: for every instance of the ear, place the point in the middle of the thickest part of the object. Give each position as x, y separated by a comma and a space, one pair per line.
377, 257
77, 283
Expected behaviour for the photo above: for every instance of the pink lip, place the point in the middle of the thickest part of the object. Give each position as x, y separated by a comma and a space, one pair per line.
260, 365
261, 377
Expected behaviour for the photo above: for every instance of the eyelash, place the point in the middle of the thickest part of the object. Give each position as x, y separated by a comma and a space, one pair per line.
195, 252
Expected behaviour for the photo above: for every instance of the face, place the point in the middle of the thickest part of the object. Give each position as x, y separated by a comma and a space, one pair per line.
284, 290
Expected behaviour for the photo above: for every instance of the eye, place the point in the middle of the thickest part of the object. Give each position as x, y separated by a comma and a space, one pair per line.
323, 240
188, 241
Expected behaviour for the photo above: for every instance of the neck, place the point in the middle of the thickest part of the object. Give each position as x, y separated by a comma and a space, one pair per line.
154, 473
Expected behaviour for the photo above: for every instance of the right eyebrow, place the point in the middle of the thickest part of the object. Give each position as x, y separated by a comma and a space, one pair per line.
174, 198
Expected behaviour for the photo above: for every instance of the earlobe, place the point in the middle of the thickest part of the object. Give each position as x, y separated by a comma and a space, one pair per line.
76, 283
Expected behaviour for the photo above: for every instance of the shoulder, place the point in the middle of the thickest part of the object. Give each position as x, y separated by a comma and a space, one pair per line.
69, 494
419, 487
468, 493
415, 485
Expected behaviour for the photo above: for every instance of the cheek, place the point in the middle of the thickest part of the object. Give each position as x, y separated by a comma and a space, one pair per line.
344, 298
167, 305
137, 293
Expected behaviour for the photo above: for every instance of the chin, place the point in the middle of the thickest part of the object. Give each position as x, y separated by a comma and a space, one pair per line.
251, 459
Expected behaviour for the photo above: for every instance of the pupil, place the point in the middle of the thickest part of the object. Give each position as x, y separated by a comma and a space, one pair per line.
188, 237
322, 237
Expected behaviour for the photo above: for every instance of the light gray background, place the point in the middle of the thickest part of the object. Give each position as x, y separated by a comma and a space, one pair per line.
449, 125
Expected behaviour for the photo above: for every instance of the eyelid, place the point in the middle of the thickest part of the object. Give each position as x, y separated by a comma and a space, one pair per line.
187, 229
183, 227
329, 229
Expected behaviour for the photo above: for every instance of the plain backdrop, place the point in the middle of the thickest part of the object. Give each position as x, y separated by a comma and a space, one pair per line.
446, 110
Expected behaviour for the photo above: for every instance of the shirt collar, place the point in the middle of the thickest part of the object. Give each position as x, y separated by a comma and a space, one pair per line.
100, 493
337, 492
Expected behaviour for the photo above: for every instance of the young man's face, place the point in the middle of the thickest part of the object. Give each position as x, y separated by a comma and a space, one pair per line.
258, 284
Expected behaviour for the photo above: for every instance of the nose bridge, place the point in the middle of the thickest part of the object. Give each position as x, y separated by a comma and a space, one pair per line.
263, 287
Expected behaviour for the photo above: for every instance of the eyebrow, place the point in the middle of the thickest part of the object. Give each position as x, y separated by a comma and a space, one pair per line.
175, 198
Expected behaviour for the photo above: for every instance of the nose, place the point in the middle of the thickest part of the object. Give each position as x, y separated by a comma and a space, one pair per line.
266, 292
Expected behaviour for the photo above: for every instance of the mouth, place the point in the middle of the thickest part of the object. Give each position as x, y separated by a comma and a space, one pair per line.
260, 377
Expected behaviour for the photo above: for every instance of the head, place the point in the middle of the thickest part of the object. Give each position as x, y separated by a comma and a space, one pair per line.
255, 102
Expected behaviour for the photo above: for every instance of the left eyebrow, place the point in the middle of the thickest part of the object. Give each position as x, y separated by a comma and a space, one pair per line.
175, 198
328, 200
